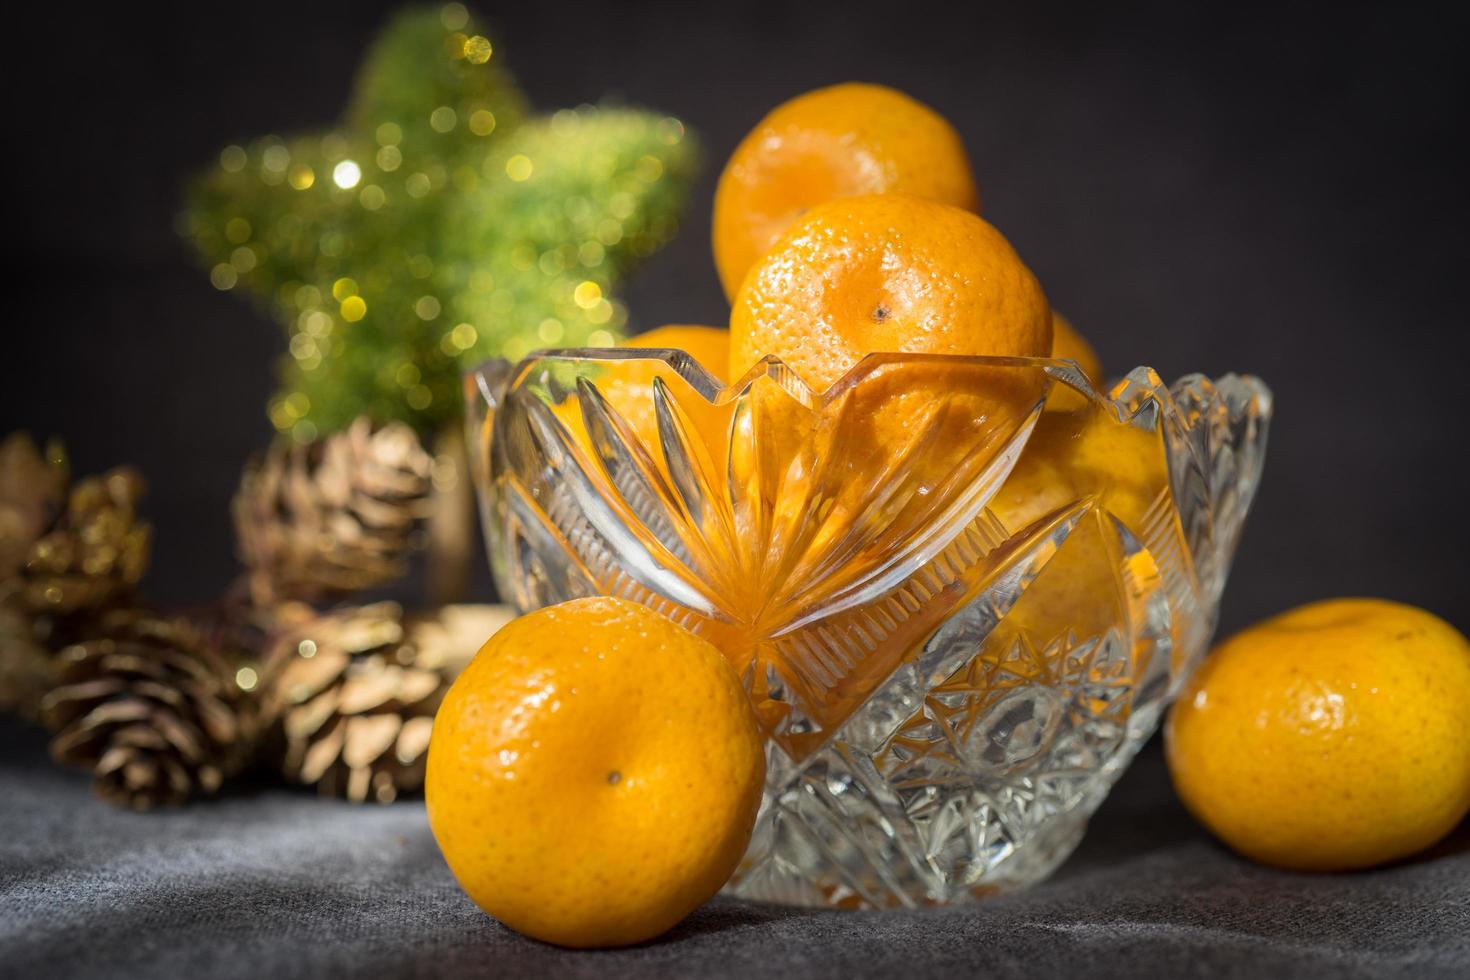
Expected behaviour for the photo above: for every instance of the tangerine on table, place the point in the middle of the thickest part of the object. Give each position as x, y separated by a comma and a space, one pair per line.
833, 142
1330, 737
594, 773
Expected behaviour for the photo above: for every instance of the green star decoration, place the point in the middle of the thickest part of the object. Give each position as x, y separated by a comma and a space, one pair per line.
441, 223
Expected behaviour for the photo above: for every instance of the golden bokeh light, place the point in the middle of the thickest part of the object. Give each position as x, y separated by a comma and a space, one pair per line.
519, 167
346, 174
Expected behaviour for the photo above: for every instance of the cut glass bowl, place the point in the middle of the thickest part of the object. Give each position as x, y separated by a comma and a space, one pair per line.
959, 590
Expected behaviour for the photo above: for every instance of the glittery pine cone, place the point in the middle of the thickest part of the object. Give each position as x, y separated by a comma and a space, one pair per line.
154, 706
64, 556
95, 552
354, 693
325, 521
32, 488
27, 668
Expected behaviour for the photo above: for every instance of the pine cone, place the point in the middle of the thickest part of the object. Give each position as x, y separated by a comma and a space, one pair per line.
356, 690
27, 669
153, 707
95, 553
32, 488
325, 521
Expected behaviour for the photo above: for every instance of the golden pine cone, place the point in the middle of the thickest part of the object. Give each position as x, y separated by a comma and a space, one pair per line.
32, 487
27, 668
95, 553
354, 693
153, 707
325, 521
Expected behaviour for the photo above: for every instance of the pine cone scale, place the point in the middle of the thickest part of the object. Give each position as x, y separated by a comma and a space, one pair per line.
317, 757
140, 736
366, 691
368, 737
413, 740
62, 705
308, 719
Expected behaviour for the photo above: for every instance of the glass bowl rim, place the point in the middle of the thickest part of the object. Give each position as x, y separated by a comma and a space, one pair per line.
716, 392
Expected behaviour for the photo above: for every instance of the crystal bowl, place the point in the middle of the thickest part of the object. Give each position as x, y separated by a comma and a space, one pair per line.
959, 590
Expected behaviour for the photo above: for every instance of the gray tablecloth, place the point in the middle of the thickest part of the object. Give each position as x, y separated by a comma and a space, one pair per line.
270, 882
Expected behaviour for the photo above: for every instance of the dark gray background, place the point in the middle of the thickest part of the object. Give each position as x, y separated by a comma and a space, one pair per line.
1275, 190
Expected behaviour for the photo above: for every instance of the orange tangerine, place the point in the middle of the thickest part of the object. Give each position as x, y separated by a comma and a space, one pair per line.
1330, 737
886, 272
594, 774
834, 142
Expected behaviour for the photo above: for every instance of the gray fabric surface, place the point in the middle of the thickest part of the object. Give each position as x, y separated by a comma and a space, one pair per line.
276, 883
